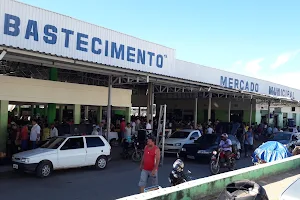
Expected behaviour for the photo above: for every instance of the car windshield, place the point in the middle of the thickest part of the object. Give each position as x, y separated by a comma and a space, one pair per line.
180, 134
207, 139
53, 143
282, 136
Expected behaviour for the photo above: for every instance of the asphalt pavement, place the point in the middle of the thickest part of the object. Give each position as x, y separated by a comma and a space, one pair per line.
119, 179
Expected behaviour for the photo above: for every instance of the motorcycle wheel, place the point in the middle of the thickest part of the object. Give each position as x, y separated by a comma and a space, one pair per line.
232, 165
137, 156
214, 167
238, 155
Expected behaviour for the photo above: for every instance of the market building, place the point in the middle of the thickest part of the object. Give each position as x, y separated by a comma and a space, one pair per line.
59, 65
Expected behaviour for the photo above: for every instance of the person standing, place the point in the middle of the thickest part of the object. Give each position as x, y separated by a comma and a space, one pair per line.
149, 127
35, 134
248, 144
210, 130
46, 133
128, 133
53, 131
122, 129
24, 137
149, 164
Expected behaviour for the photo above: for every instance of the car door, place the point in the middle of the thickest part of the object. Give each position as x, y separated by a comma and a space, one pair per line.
193, 136
72, 153
95, 148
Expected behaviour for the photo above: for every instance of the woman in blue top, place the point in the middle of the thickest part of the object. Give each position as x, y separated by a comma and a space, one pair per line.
248, 144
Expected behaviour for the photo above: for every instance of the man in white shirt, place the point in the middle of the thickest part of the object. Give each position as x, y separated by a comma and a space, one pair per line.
133, 126
226, 145
210, 130
53, 131
128, 133
35, 134
149, 127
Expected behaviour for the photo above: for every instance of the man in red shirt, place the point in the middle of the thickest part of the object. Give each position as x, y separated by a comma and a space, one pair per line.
149, 164
122, 128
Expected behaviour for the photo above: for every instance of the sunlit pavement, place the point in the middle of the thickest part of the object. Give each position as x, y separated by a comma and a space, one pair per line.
119, 179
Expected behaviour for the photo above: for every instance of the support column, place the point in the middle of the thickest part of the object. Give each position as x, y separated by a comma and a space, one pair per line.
32, 110
108, 121
229, 111
196, 112
61, 113
152, 107
149, 101
128, 114
18, 110
139, 111
53, 76
86, 112
38, 110
99, 114
3, 124
209, 107
46, 110
269, 112
51, 112
251, 107
77, 114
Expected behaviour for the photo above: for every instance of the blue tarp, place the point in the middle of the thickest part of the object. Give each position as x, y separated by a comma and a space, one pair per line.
271, 151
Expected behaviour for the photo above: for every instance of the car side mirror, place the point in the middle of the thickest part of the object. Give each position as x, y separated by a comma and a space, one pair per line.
192, 138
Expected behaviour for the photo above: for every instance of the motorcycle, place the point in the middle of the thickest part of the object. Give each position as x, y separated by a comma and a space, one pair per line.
177, 175
218, 161
132, 150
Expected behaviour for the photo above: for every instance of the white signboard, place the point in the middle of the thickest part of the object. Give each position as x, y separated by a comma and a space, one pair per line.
230, 80
27, 27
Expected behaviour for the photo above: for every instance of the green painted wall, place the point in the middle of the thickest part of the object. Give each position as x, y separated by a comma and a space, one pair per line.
53, 74
200, 116
221, 115
127, 115
246, 116
51, 112
3, 124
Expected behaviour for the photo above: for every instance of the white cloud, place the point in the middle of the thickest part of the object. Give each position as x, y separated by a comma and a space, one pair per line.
284, 58
253, 67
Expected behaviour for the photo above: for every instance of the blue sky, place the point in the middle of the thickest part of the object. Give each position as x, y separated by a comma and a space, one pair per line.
255, 38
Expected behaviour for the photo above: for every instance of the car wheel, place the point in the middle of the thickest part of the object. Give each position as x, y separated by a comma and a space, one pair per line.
101, 162
44, 169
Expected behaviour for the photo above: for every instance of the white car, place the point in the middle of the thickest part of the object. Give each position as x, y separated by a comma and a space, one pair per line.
63, 153
174, 143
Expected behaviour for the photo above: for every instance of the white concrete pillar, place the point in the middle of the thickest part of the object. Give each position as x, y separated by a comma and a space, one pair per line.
149, 101
269, 112
251, 107
229, 111
209, 107
108, 121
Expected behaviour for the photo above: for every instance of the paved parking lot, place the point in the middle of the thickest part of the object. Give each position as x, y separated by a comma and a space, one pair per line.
118, 180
